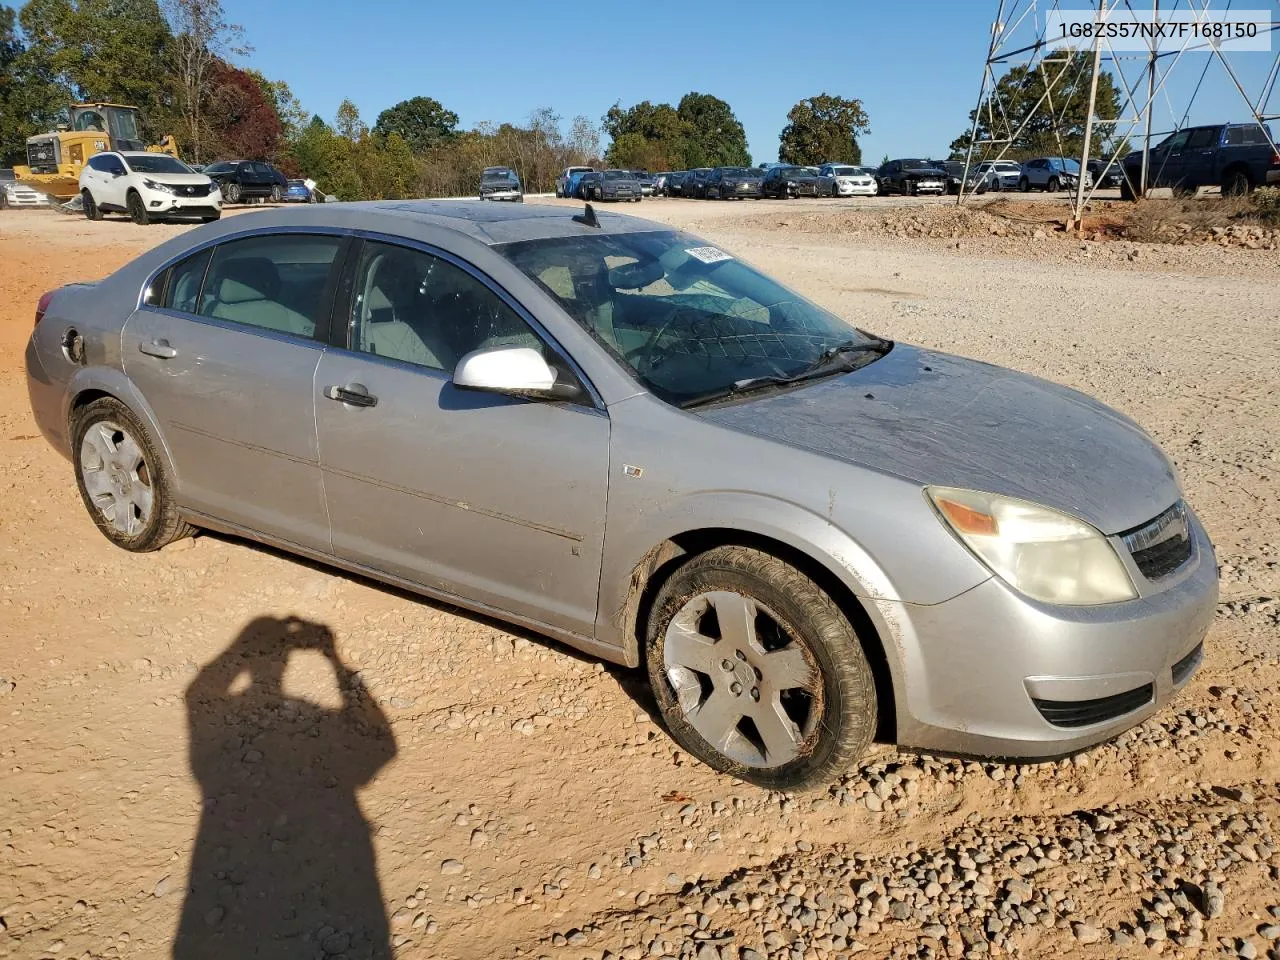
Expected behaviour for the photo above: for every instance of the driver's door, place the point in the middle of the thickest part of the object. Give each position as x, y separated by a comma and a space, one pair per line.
492, 498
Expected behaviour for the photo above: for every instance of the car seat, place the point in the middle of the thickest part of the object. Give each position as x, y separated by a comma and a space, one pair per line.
247, 290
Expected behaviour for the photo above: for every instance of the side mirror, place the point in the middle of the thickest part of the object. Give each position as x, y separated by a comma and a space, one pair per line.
518, 371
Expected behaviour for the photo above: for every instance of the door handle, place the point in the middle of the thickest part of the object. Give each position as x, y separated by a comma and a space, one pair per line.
354, 394
158, 348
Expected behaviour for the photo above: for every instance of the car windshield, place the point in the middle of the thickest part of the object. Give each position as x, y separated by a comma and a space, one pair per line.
156, 163
498, 175
618, 175
917, 165
1071, 166
845, 171
736, 172
223, 166
690, 320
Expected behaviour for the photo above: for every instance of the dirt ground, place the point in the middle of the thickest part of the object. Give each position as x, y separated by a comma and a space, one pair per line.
521, 800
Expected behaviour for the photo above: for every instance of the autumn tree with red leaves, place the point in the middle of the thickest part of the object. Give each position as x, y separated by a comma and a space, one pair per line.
242, 119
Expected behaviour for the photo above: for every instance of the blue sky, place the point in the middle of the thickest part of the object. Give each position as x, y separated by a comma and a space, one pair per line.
915, 66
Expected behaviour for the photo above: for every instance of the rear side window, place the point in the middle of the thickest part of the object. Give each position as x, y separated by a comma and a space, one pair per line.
271, 282
183, 293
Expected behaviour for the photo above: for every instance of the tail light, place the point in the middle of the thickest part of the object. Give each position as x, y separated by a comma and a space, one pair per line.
43, 305
1275, 159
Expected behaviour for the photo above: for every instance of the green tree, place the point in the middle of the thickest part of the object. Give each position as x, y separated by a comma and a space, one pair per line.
348, 123
1042, 109
100, 50
714, 136
647, 135
421, 122
288, 109
824, 129
29, 99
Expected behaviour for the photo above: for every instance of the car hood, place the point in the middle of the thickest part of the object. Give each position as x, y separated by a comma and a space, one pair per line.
938, 419
926, 174
178, 179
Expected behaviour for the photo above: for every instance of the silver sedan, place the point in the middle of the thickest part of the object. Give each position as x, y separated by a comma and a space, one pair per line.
630, 440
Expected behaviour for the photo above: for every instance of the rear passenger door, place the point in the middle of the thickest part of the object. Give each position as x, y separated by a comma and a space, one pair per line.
493, 498
225, 350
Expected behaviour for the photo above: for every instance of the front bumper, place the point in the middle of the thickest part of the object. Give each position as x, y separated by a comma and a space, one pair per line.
26, 198
163, 204
500, 195
984, 672
847, 189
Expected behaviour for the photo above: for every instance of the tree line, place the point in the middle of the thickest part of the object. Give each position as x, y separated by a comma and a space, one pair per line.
174, 60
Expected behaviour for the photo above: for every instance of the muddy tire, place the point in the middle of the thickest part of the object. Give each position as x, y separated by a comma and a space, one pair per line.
122, 479
757, 672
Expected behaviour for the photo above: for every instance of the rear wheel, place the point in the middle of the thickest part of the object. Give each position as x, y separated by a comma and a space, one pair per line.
121, 479
91, 211
1236, 184
137, 209
1126, 190
757, 672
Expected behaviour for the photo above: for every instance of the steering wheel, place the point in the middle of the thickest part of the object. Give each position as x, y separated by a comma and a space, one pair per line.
644, 353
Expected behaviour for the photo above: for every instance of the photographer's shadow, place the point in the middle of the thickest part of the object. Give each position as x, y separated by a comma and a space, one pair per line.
283, 865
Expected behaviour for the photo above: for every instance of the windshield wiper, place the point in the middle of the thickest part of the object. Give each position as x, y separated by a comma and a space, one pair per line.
840, 358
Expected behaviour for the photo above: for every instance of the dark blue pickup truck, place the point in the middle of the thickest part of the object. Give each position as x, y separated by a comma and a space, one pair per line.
1234, 156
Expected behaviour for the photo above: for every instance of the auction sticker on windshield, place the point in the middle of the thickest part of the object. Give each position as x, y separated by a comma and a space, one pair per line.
708, 254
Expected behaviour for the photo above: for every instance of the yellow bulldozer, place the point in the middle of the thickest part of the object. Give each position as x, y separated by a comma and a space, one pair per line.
54, 160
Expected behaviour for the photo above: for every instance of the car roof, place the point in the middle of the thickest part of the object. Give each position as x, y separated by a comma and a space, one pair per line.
489, 223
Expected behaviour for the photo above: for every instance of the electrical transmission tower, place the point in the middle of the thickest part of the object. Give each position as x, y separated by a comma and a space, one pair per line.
1142, 78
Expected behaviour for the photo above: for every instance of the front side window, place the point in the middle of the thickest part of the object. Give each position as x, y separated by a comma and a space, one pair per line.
1203, 137
91, 121
221, 167
412, 306
688, 319
272, 282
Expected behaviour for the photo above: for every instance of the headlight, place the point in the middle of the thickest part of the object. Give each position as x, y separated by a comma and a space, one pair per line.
1045, 554
152, 185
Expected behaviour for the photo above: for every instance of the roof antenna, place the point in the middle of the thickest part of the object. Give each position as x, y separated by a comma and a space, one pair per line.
587, 217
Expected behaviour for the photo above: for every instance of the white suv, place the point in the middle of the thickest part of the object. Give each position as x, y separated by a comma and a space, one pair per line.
147, 186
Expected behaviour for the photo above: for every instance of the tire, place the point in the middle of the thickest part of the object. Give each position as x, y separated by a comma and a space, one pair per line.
1236, 184
233, 193
559, 193
277, 194
1024, 185
1126, 190
835, 190
96, 430
91, 211
820, 723
137, 209
1053, 185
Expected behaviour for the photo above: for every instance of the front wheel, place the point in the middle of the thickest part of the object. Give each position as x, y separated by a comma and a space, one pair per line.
91, 211
757, 672
1024, 185
137, 209
1053, 185
232, 192
277, 193
121, 479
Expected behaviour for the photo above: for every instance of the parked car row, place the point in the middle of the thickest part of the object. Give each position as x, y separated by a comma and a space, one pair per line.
155, 186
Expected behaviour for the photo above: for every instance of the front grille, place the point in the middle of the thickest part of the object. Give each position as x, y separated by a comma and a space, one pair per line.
1161, 546
1185, 667
1083, 713
194, 190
